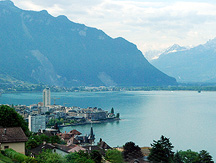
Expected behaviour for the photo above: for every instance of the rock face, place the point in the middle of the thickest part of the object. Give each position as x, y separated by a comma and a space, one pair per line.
190, 65
39, 48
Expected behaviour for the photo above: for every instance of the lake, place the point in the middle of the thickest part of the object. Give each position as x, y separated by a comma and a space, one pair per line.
188, 118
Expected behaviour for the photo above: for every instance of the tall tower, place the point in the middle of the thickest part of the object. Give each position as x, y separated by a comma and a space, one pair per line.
46, 97
91, 136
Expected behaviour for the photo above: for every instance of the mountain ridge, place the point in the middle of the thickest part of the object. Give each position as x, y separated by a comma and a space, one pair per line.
57, 51
196, 64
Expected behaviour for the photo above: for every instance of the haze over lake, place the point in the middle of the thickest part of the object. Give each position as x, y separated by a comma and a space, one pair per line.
186, 117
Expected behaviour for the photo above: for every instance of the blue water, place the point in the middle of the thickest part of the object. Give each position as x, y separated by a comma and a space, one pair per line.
187, 118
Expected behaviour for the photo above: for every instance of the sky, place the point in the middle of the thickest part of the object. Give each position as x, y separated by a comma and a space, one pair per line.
151, 25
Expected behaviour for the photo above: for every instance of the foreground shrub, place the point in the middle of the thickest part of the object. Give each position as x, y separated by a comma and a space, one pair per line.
18, 157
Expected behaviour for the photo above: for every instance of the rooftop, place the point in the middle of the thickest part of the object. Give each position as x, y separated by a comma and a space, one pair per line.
12, 135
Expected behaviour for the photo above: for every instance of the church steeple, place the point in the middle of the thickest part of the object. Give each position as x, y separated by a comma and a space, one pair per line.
91, 136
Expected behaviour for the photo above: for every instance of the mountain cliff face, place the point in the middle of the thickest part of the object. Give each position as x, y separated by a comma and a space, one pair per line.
192, 65
39, 48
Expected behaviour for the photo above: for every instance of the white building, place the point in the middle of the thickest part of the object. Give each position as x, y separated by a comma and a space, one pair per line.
44, 109
37, 122
46, 97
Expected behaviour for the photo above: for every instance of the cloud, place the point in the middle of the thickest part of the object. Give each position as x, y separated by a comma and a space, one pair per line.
149, 24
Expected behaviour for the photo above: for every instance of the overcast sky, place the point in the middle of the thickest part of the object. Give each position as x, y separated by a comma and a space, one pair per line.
148, 24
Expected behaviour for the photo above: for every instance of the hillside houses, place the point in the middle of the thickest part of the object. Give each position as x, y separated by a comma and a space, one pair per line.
13, 137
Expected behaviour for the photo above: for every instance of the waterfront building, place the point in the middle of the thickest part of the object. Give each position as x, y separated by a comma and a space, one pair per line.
46, 97
37, 122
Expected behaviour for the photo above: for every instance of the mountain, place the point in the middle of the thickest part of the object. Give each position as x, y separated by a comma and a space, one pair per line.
190, 65
174, 48
154, 54
39, 48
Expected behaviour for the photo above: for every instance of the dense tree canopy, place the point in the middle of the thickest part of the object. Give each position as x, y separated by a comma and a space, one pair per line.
36, 140
161, 151
79, 157
204, 157
10, 118
49, 157
190, 156
114, 156
131, 151
96, 156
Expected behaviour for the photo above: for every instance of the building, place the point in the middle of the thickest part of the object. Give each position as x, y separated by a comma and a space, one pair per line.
75, 137
56, 148
13, 137
37, 122
44, 109
46, 97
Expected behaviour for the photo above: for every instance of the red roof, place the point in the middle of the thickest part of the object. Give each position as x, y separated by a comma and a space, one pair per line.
75, 132
12, 135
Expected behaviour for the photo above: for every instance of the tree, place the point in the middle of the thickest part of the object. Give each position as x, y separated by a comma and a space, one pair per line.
204, 157
188, 156
117, 115
131, 151
49, 157
96, 156
31, 143
78, 157
55, 139
112, 110
177, 158
10, 118
114, 156
161, 150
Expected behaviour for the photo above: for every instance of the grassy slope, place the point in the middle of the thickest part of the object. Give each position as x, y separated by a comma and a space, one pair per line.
4, 159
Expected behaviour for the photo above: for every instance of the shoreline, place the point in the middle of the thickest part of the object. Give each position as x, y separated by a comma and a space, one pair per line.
93, 122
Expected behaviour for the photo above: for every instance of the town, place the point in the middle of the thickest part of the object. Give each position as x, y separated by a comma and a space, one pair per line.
44, 115
42, 134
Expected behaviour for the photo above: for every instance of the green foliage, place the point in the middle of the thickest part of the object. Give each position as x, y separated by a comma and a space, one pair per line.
73, 121
112, 110
31, 143
55, 139
118, 115
161, 151
205, 157
72, 157
188, 156
177, 158
36, 140
78, 157
195, 157
131, 151
5, 159
96, 156
114, 156
18, 157
49, 157
10, 118
52, 122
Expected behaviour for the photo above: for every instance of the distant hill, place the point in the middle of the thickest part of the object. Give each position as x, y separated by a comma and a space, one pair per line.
190, 65
39, 48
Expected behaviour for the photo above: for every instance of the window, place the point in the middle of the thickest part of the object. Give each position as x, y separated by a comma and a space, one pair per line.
5, 147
